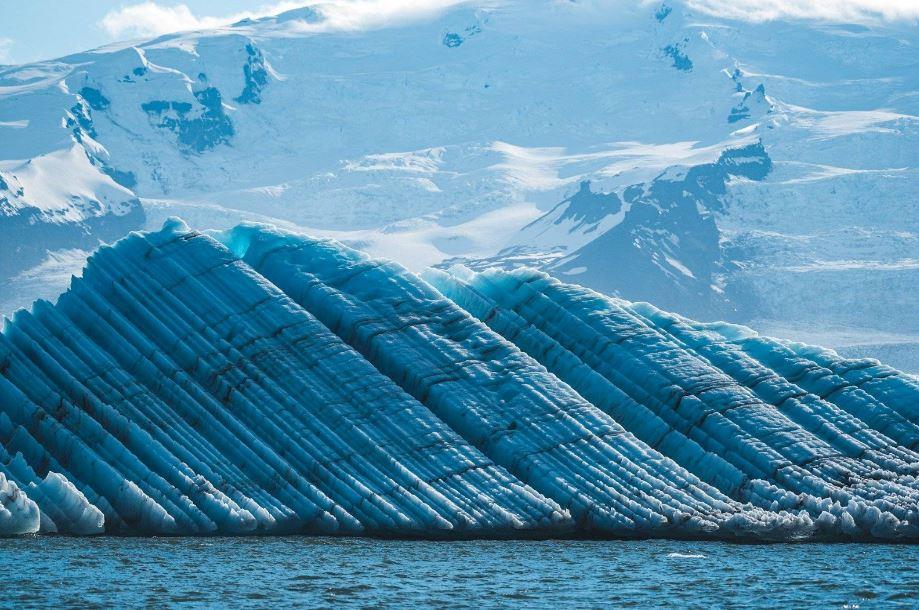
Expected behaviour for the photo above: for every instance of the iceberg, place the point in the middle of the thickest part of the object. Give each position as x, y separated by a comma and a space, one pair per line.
18, 513
755, 417
258, 381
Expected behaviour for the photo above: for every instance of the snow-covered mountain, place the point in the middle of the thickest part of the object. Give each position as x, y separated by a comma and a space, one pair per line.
761, 173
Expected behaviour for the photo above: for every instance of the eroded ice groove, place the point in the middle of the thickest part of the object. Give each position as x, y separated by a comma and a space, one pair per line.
173, 390
497, 397
776, 424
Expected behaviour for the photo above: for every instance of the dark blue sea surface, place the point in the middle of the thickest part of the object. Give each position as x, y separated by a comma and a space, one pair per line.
328, 572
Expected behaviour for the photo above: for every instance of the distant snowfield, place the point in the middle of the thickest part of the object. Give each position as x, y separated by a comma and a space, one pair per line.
652, 152
44, 280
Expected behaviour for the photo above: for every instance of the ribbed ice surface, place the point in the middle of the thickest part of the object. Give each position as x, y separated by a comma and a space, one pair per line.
180, 392
270, 382
780, 426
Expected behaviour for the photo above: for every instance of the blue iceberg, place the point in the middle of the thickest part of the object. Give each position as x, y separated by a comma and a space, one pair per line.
257, 381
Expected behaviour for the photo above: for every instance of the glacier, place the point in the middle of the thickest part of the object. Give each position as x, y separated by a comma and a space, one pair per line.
253, 380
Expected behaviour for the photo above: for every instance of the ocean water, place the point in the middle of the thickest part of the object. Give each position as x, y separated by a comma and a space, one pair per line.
328, 572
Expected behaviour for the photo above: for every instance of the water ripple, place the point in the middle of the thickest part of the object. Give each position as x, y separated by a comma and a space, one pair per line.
322, 572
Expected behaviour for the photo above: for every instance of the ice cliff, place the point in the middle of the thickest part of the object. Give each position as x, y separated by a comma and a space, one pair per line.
254, 381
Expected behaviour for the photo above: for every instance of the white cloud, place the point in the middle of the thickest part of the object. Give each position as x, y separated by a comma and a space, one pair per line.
5, 45
364, 14
857, 11
152, 19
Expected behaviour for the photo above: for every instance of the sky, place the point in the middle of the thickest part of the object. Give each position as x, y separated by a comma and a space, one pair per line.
32, 30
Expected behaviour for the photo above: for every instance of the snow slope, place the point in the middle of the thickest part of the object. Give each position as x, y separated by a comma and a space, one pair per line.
760, 173
269, 382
